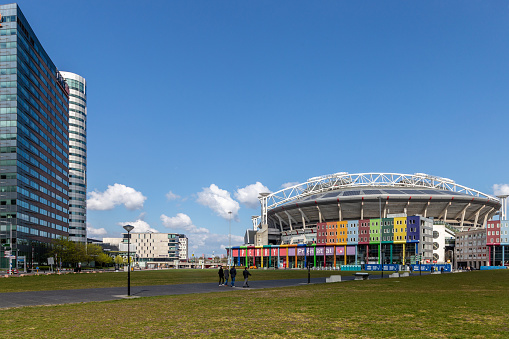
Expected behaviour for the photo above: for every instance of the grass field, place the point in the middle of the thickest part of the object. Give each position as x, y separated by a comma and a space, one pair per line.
140, 278
463, 305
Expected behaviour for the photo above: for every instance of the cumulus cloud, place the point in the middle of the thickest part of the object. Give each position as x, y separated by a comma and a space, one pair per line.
249, 194
140, 226
96, 231
501, 189
219, 201
289, 184
207, 242
172, 196
182, 222
200, 238
115, 195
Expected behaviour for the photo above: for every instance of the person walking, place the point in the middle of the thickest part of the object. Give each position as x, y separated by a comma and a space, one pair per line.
246, 277
233, 273
221, 275
226, 276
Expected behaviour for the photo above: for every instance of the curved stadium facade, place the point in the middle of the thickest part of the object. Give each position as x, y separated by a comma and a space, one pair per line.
364, 218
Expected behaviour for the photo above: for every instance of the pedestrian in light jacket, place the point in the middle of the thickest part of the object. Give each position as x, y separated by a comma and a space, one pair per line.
226, 276
233, 273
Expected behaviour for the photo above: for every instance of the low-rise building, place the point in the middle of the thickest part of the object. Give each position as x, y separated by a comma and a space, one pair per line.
153, 250
471, 250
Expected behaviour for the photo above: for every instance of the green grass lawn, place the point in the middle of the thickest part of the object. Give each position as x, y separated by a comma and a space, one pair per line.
140, 278
463, 305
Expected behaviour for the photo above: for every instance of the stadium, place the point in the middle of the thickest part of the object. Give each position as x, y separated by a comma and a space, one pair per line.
363, 218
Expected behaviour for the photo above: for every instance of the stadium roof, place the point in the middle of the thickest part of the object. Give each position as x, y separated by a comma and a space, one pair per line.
344, 196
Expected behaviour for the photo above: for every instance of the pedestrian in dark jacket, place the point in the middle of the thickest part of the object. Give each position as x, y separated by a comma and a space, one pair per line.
226, 276
221, 276
233, 273
246, 277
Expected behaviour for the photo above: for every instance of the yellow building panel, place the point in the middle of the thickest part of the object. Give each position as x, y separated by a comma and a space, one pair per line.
342, 232
400, 230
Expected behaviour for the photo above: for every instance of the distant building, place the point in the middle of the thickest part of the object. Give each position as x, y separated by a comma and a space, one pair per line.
153, 249
443, 243
183, 247
77, 156
471, 249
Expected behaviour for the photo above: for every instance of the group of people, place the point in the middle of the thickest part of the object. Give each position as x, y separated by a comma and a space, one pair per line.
232, 272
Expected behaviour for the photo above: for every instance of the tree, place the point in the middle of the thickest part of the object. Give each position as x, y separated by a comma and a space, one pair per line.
93, 251
104, 259
119, 259
70, 252
67, 251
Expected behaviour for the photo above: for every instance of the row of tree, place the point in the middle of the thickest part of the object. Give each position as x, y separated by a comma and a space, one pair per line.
70, 252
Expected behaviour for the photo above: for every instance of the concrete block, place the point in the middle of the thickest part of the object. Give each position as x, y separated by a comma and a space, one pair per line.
333, 278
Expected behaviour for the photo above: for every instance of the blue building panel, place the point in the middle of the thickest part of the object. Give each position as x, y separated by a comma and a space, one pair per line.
353, 232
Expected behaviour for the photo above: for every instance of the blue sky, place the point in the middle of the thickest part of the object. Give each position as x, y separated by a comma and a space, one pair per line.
216, 100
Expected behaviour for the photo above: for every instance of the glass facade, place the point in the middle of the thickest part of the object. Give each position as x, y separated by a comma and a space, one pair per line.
77, 156
34, 142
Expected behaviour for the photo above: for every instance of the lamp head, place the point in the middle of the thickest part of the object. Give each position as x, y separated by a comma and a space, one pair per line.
128, 228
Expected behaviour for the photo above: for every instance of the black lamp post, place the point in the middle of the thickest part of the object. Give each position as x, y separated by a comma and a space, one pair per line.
128, 228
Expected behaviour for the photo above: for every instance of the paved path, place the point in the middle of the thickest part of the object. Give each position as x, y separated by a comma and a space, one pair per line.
20, 299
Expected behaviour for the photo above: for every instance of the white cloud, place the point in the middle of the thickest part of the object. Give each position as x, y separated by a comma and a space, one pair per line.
205, 243
501, 189
200, 239
289, 184
96, 231
140, 226
115, 195
219, 201
182, 222
249, 194
172, 196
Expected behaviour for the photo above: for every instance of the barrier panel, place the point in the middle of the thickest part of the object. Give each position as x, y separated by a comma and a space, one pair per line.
427, 267
484, 268
378, 267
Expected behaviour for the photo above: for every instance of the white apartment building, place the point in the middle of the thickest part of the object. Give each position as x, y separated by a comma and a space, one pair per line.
154, 249
183, 247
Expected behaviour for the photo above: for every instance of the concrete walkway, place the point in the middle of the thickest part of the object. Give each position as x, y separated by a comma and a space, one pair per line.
20, 299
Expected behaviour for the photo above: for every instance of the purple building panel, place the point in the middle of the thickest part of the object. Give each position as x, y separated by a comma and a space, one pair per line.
350, 250
413, 229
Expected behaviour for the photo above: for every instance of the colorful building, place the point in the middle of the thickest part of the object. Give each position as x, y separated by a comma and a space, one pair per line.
346, 243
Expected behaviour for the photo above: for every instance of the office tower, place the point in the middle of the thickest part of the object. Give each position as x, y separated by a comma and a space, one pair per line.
77, 156
34, 143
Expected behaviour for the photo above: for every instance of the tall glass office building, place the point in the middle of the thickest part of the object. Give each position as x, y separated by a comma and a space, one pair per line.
77, 156
34, 145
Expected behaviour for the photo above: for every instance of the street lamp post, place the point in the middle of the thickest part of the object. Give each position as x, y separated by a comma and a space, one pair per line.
229, 238
128, 228
381, 234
